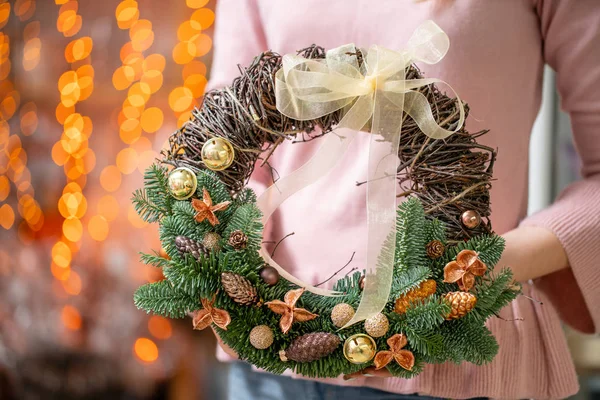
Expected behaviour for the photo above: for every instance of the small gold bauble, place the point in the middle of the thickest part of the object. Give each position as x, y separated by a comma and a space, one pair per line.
341, 314
470, 219
212, 241
359, 348
377, 325
261, 337
217, 154
182, 183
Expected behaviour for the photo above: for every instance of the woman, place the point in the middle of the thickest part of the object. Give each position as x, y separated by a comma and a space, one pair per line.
495, 62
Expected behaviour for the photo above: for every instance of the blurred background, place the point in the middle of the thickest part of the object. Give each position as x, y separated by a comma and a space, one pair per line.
89, 93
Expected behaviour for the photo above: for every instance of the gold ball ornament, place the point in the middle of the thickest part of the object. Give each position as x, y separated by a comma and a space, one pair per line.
182, 183
212, 241
261, 337
217, 154
341, 314
360, 348
470, 219
377, 325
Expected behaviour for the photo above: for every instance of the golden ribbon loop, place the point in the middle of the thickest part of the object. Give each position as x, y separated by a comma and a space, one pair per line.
374, 96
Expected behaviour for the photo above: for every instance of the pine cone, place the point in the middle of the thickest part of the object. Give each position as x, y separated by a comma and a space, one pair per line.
195, 248
311, 347
461, 303
239, 288
238, 240
425, 289
435, 249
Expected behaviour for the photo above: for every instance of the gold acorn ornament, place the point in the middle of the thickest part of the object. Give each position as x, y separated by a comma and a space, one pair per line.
471, 219
261, 337
461, 303
182, 183
217, 154
211, 241
341, 314
360, 348
377, 325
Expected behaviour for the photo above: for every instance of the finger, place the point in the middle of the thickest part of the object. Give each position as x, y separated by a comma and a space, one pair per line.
368, 372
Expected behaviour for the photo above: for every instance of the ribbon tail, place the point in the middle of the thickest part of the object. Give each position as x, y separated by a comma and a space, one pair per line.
326, 157
381, 207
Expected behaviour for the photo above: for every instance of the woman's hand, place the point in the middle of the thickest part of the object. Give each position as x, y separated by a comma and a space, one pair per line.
369, 372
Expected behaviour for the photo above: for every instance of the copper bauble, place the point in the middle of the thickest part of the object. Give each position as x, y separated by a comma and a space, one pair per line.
269, 275
182, 183
360, 348
217, 154
470, 219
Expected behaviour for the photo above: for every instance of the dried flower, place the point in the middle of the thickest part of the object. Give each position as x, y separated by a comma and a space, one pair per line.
405, 358
464, 269
290, 313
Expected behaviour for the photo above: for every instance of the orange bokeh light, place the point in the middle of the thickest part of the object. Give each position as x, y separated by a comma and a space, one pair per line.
160, 327
72, 284
24, 9
31, 30
127, 13
181, 99
196, 83
4, 14
123, 77
98, 228
78, 49
7, 216
204, 16
130, 130
196, 3
4, 187
183, 52
193, 68
154, 62
71, 318
154, 80
127, 160
146, 350
72, 229
110, 178
108, 207
61, 254
152, 119
134, 218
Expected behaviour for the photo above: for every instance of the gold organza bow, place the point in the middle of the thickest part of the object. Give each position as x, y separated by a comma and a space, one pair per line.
374, 97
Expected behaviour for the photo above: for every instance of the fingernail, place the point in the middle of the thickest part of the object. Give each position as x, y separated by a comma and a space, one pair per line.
348, 378
369, 375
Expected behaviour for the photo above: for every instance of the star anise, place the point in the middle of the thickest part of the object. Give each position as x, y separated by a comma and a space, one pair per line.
210, 314
464, 269
290, 313
405, 358
206, 210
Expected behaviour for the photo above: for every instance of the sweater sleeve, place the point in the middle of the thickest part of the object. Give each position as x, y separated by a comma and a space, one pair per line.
571, 44
238, 38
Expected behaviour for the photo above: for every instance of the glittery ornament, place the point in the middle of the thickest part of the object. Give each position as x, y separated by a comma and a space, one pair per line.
470, 219
217, 154
212, 241
435, 249
341, 314
461, 303
182, 183
360, 348
377, 325
261, 337
269, 275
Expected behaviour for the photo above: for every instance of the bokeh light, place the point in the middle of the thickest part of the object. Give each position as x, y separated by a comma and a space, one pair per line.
146, 350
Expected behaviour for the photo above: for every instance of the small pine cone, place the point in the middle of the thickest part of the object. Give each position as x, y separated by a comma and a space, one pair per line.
461, 303
238, 240
195, 248
425, 289
311, 347
435, 249
239, 288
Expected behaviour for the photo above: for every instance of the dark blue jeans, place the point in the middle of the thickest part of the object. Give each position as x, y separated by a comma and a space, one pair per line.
246, 384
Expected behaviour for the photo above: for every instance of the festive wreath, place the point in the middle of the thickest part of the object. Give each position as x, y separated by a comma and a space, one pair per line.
441, 249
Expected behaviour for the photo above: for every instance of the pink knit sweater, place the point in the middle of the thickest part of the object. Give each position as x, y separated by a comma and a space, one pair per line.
495, 63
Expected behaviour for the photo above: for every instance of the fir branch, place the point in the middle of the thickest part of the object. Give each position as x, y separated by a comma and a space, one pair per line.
163, 299
154, 260
145, 208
